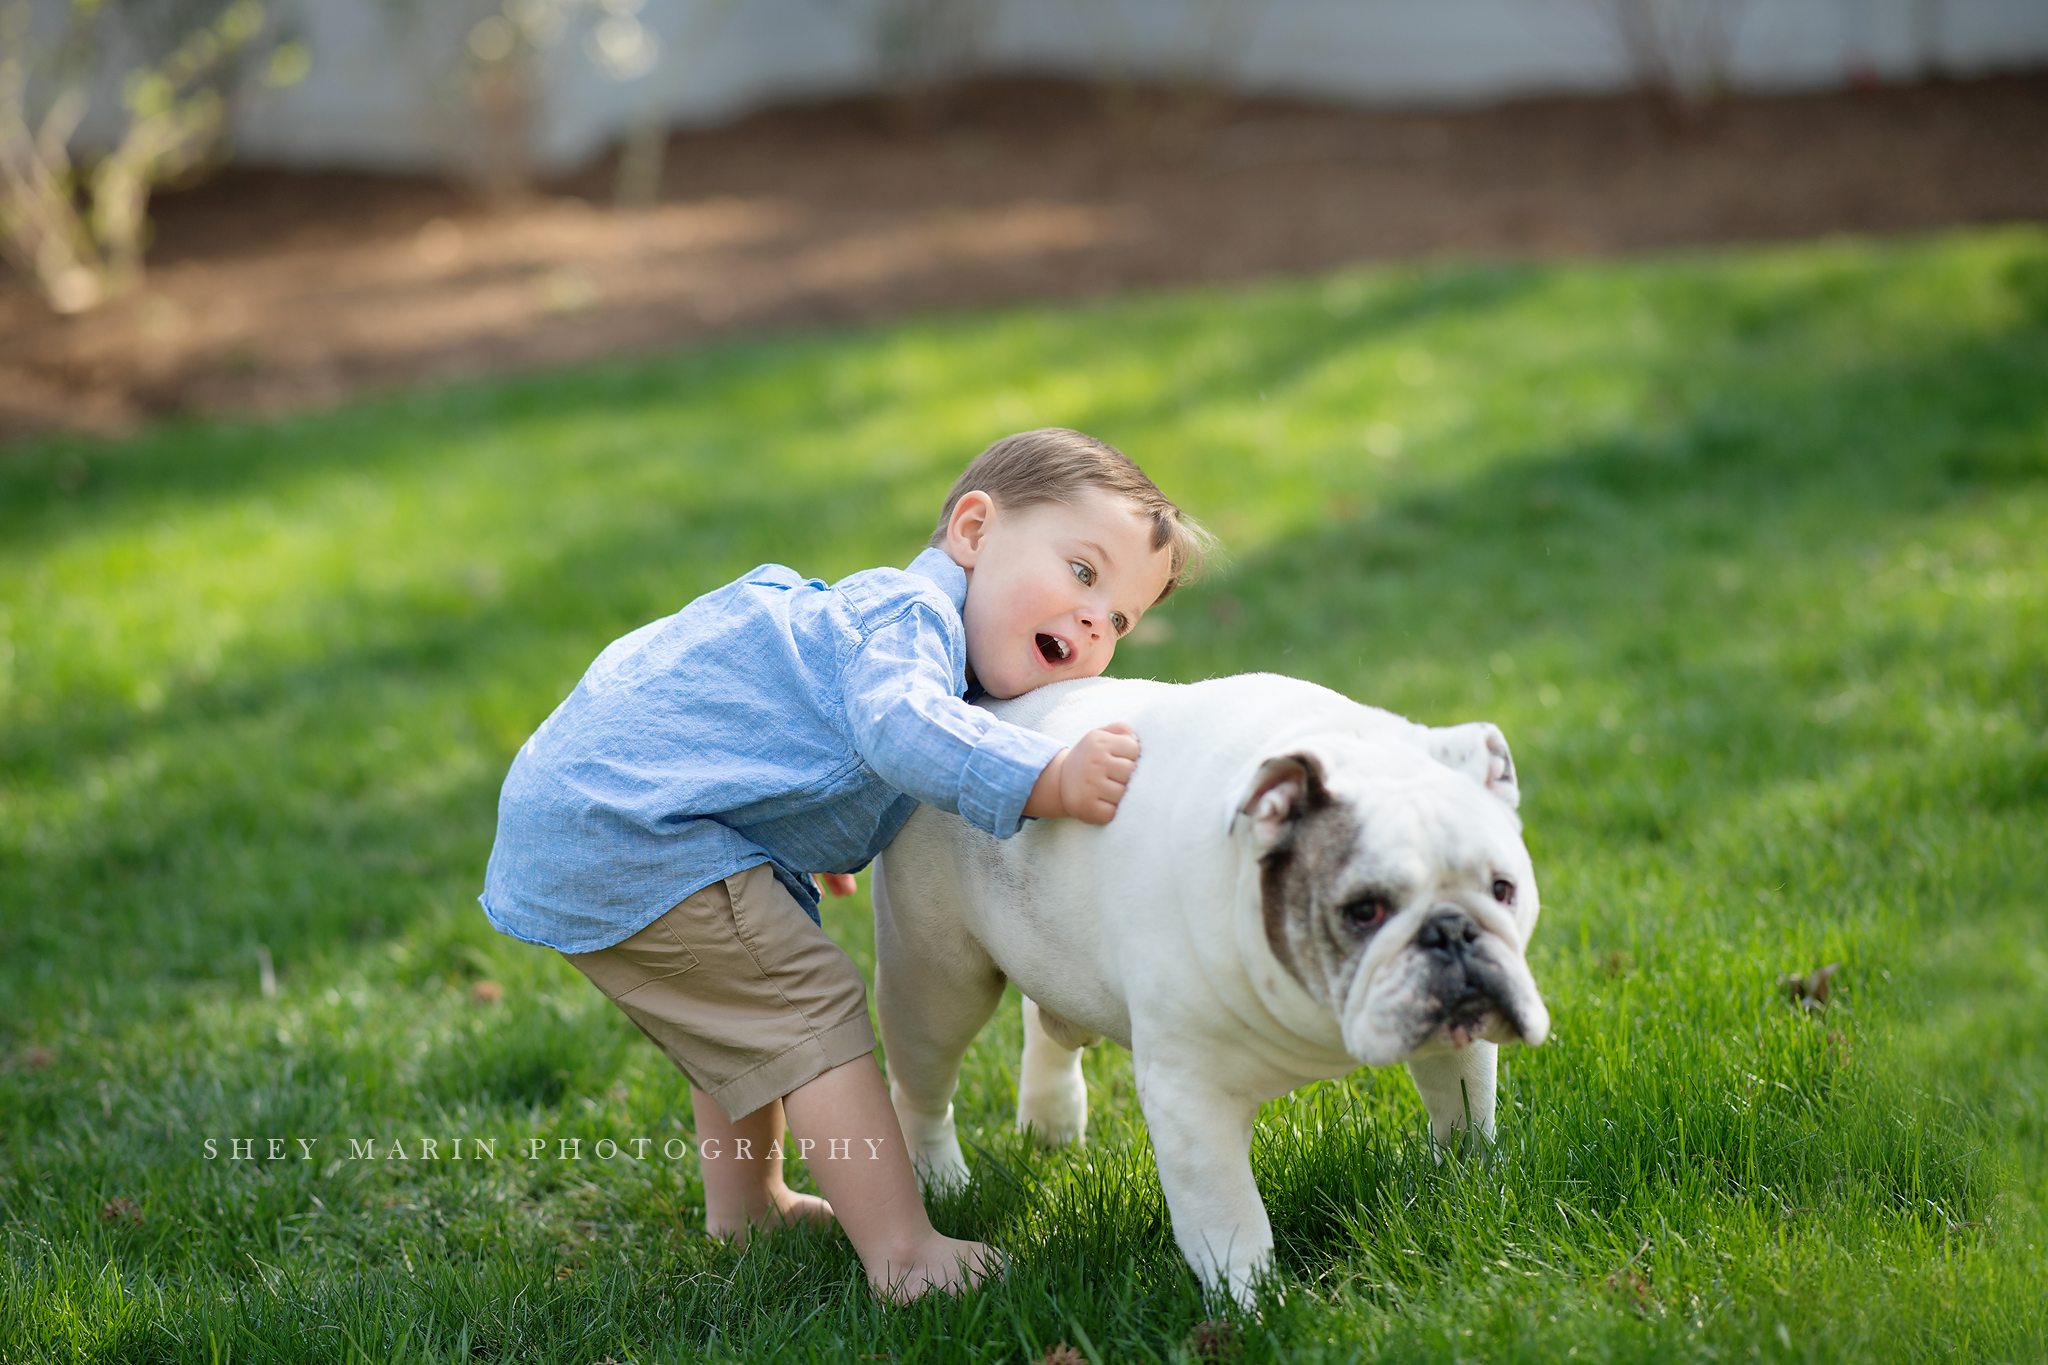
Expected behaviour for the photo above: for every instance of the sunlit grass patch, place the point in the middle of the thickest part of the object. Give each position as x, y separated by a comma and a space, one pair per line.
1747, 553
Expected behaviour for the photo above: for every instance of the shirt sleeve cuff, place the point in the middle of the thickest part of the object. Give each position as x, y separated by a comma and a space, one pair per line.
1000, 774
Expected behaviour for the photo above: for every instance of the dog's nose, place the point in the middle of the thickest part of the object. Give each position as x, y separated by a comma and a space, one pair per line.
1446, 934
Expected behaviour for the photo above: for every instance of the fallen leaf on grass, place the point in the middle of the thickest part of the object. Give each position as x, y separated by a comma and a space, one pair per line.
1062, 1354
36, 1058
486, 992
121, 1209
1809, 992
1627, 1277
1215, 1339
1630, 1279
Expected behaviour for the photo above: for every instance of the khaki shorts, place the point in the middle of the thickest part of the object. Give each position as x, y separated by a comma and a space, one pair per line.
740, 990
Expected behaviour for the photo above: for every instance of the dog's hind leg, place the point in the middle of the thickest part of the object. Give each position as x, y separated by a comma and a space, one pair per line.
934, 989
1052, 1098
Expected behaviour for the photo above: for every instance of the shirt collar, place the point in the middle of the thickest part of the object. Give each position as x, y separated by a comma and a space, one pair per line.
939, 567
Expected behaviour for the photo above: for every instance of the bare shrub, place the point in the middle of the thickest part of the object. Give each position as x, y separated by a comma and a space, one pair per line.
1679, 50
80, 229
484, 62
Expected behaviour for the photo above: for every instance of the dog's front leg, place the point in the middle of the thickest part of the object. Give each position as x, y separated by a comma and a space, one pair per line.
1202, 1142
1455, 1084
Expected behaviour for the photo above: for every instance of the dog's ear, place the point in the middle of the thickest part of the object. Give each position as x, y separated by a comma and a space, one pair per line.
1480, 751
1282, 791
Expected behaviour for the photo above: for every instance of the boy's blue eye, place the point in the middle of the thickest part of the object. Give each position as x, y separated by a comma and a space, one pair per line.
1082, 572
1120, 621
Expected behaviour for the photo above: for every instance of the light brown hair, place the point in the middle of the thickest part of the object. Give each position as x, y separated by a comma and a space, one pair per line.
1054, 464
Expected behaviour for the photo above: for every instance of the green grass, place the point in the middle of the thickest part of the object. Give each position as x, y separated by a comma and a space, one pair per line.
1748, 554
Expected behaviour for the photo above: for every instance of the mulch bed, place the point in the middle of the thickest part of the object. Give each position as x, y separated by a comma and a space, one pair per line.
272, 292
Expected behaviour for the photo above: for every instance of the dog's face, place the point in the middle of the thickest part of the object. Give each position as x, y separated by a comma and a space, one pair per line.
1396, 890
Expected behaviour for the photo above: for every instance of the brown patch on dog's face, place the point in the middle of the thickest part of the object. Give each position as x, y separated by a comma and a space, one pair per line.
1318, 943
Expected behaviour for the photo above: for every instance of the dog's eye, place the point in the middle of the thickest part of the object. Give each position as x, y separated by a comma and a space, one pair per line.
1503, 890
1367, 912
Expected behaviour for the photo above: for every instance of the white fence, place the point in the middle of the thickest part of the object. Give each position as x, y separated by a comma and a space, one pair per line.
386, 88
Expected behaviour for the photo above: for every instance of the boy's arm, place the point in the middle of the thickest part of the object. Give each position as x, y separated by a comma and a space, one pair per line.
910, 728
1086, 782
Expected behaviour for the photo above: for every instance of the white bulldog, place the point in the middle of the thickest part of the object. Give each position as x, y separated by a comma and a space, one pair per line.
1294, 884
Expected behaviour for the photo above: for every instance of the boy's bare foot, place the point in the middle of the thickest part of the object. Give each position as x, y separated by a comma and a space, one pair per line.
786, 1209
945, 1264
875, 1192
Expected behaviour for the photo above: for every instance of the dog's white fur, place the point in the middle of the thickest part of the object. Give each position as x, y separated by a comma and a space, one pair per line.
1153, 930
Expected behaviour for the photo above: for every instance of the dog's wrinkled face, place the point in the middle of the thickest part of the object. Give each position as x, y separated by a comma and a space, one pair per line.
1397, 892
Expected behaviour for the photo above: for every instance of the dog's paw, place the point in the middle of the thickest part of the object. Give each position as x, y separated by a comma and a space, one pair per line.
933, 1144
1053, 1107
1055, 1121
941, 1172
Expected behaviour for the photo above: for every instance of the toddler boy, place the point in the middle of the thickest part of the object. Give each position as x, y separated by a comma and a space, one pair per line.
660, 826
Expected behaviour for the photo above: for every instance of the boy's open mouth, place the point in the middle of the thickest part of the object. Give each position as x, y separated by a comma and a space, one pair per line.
1053, 649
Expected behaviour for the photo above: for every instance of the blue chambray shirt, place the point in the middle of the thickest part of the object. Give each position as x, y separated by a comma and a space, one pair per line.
775, 720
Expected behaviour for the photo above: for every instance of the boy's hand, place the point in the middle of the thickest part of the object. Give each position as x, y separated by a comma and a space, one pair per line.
837, 883
1087, 781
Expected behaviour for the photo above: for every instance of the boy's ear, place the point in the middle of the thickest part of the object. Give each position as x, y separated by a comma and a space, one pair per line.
967, 528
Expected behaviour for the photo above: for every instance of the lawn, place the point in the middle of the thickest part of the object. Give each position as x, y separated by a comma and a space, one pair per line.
1747, 553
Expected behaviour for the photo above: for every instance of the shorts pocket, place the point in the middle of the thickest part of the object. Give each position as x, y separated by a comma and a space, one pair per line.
655, 954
